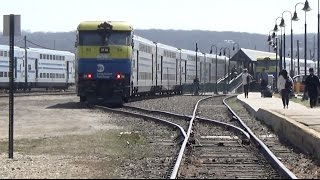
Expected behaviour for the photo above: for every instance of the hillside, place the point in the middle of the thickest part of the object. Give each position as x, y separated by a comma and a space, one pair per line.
177, 38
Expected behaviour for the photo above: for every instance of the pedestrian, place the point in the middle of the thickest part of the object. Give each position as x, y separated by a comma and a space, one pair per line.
311, 87
263, 81
284, 85
246, 79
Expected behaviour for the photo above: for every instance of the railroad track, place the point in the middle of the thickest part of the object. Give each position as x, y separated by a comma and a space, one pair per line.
161, 167
283, 150
37, 93
217, 105
212, 148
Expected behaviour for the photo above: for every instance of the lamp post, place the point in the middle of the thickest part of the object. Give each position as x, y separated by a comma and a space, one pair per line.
224, 53
196, 80
318, 58
275, 29
216, 89
204, 73
306, 8
282, 24
276, 49
298, 56
225, 69
196, 60
238, 48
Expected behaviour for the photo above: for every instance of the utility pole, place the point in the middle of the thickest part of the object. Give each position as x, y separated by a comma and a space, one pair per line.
298, 57
25, 64
196, 81
318, 69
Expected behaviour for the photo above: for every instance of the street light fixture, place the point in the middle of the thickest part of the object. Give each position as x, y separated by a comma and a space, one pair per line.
238, 46
270, 38
305, 8
216, 89
282, 24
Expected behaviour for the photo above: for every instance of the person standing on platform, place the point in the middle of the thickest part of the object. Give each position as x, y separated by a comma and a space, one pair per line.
312, 84
263, 81
284, 85
246, 79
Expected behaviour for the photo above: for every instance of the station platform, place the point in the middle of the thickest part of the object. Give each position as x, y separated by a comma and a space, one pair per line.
299, 124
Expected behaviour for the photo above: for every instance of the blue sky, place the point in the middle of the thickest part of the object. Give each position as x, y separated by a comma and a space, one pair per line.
252, 16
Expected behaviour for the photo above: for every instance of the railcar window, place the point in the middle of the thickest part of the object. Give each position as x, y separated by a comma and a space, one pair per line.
5, 74
5, 53
133, 63
1, 53
1, 74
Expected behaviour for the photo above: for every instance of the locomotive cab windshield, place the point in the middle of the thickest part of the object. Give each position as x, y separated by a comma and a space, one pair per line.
104, 38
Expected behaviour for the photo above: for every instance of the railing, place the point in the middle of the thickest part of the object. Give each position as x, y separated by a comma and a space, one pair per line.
235, 83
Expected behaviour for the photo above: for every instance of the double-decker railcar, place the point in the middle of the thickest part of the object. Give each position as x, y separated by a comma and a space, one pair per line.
168, 69
50, 68
143, 77
4, 66
43, 68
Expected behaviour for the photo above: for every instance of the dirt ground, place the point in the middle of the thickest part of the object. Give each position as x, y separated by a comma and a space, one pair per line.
48, 136
49, 116
56, 138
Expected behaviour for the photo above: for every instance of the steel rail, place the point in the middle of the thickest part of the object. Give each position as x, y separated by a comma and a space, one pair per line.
184, 144
145, 116
283, 170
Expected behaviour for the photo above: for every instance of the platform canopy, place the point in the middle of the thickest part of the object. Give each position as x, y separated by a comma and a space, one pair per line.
250, 56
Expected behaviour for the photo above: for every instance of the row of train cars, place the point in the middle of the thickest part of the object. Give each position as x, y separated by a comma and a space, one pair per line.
114, 65
43, 68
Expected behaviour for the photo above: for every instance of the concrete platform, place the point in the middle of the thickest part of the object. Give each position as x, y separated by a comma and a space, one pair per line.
298, 124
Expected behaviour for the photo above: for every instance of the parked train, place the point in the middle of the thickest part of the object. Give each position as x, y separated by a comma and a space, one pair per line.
113, 64
50, 69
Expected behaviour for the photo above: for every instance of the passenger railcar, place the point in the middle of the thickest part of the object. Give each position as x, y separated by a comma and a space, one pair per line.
50, 68
143, 78
43, 68
168, 68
